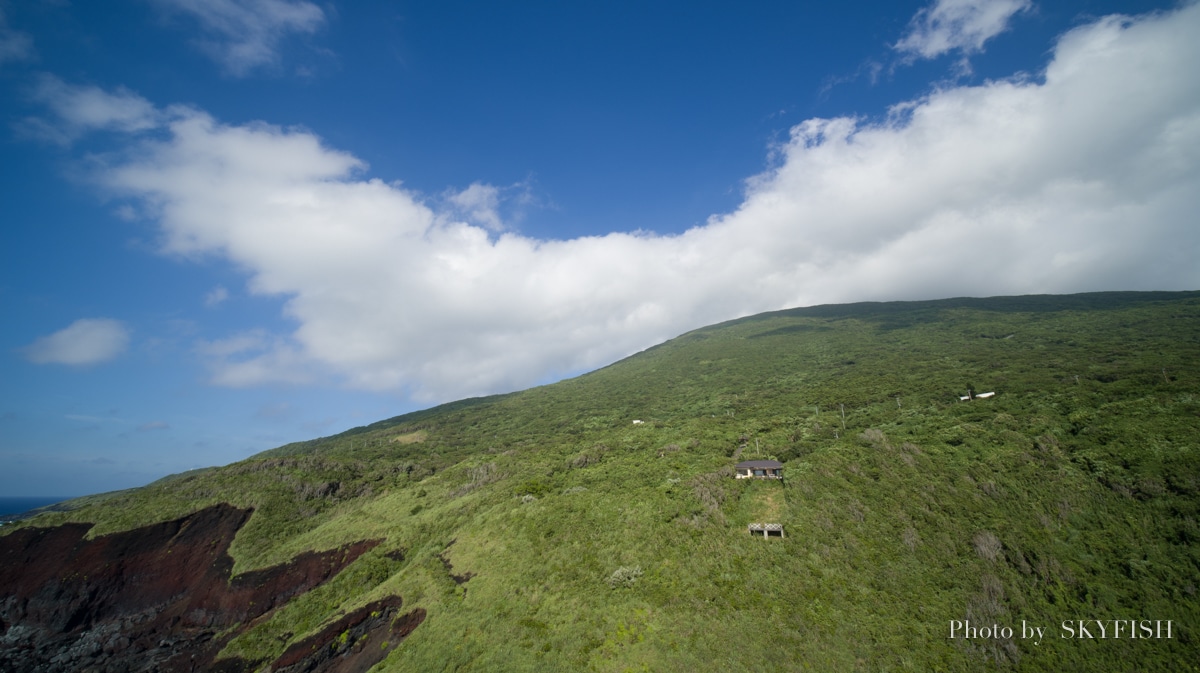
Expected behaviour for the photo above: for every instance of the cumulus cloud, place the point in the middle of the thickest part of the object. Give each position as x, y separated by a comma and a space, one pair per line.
78, 109
244, 35
494, 208
84, 342
1087, 178
480, 204
963, 25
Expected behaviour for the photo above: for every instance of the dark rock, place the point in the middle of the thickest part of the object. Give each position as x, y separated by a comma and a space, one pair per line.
354, 643
150, 599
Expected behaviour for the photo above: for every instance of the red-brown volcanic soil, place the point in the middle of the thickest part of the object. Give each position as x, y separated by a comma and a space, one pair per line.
155, 598
354, 643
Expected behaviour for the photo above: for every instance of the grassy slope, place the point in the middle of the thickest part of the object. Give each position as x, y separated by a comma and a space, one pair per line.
1073, 494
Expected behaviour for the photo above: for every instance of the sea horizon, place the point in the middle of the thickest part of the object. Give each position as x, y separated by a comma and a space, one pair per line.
12, 506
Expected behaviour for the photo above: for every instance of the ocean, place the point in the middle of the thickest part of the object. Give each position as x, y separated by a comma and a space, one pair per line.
11, 506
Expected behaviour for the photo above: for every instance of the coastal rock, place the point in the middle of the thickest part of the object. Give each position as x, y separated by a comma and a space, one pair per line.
160, 598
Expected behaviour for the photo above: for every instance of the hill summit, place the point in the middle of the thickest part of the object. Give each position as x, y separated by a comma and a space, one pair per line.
1010, 482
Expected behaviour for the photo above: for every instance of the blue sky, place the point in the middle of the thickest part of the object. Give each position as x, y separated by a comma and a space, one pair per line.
232, 224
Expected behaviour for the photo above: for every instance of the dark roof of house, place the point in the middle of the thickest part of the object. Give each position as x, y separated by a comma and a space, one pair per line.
759, 464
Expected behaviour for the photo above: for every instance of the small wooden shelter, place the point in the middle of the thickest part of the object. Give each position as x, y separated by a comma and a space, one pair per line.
759, 469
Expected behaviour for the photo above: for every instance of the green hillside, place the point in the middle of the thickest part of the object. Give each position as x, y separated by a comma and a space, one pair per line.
545, 530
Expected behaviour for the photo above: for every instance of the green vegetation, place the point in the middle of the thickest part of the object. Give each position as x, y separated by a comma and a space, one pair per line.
543, 530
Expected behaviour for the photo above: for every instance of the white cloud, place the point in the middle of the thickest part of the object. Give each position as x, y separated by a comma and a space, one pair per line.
494, 208
479, 204
244, 35
234, 345
79, 109
963, 25
216, 296
84, 342
14, 44
1088, 179
255, 358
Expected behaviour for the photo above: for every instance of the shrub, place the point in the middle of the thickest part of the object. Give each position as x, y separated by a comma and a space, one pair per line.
478, 477
987, 545
624, 576
535, 487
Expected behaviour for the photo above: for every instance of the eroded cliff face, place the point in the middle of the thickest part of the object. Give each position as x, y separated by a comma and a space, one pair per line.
158, 598
354, 643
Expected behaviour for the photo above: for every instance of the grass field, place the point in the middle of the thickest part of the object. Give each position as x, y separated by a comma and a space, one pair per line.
544, 530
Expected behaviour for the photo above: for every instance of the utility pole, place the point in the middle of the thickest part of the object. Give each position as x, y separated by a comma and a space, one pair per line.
843, 415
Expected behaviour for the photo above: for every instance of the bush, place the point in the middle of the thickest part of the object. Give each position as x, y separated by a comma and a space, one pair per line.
624, 576
535, 487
